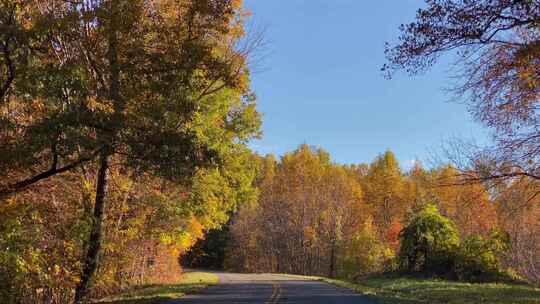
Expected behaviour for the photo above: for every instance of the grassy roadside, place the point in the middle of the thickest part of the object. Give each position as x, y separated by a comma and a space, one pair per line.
191, 282
404, 290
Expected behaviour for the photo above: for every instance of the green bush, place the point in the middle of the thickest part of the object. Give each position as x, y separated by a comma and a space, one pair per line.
362, 254
428, 243
478, 258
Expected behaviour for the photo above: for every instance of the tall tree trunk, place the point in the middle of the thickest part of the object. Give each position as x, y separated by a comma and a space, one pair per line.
94, 244
109, 138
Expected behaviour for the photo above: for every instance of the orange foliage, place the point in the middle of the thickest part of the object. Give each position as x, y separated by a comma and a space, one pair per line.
392, 234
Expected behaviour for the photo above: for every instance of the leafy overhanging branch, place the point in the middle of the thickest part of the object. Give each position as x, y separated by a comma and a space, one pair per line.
54, 170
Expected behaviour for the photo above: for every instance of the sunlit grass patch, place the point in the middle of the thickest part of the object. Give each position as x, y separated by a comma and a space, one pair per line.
191, 282
401, 290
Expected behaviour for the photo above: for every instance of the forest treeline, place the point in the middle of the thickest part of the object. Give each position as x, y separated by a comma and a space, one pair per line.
316, 217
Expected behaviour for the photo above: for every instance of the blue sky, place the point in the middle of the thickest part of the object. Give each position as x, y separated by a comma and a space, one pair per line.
321, 83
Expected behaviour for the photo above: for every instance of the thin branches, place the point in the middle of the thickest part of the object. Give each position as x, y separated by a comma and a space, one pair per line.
5, 49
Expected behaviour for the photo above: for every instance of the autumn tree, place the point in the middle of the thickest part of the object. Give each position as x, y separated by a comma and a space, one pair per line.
157, 87
496, 46
149, 223
519, 216
469, 205
384, 187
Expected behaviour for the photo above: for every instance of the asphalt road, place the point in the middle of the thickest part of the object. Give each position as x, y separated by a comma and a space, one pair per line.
270, 289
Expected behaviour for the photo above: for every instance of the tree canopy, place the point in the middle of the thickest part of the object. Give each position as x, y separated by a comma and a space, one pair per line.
496, 48
157, 88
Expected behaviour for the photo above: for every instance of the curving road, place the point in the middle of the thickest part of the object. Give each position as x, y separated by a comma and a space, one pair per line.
270, 289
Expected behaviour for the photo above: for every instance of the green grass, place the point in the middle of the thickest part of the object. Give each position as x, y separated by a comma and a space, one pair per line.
191, 282
406, 290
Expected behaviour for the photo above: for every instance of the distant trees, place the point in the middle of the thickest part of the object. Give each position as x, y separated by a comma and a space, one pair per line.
384, 190
317, 217
307, 209
467, 205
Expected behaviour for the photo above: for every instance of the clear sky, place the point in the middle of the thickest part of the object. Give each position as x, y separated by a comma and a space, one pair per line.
321, 83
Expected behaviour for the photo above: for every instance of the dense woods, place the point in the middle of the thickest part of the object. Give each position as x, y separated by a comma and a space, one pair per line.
123, 127
316, 217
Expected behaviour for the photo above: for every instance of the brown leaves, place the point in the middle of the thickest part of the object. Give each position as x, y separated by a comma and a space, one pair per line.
498, 59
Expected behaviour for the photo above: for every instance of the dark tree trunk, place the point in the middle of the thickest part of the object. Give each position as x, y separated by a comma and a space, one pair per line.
94, 243
332, 269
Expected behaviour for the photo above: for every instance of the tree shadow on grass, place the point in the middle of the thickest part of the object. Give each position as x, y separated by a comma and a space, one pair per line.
150, 294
